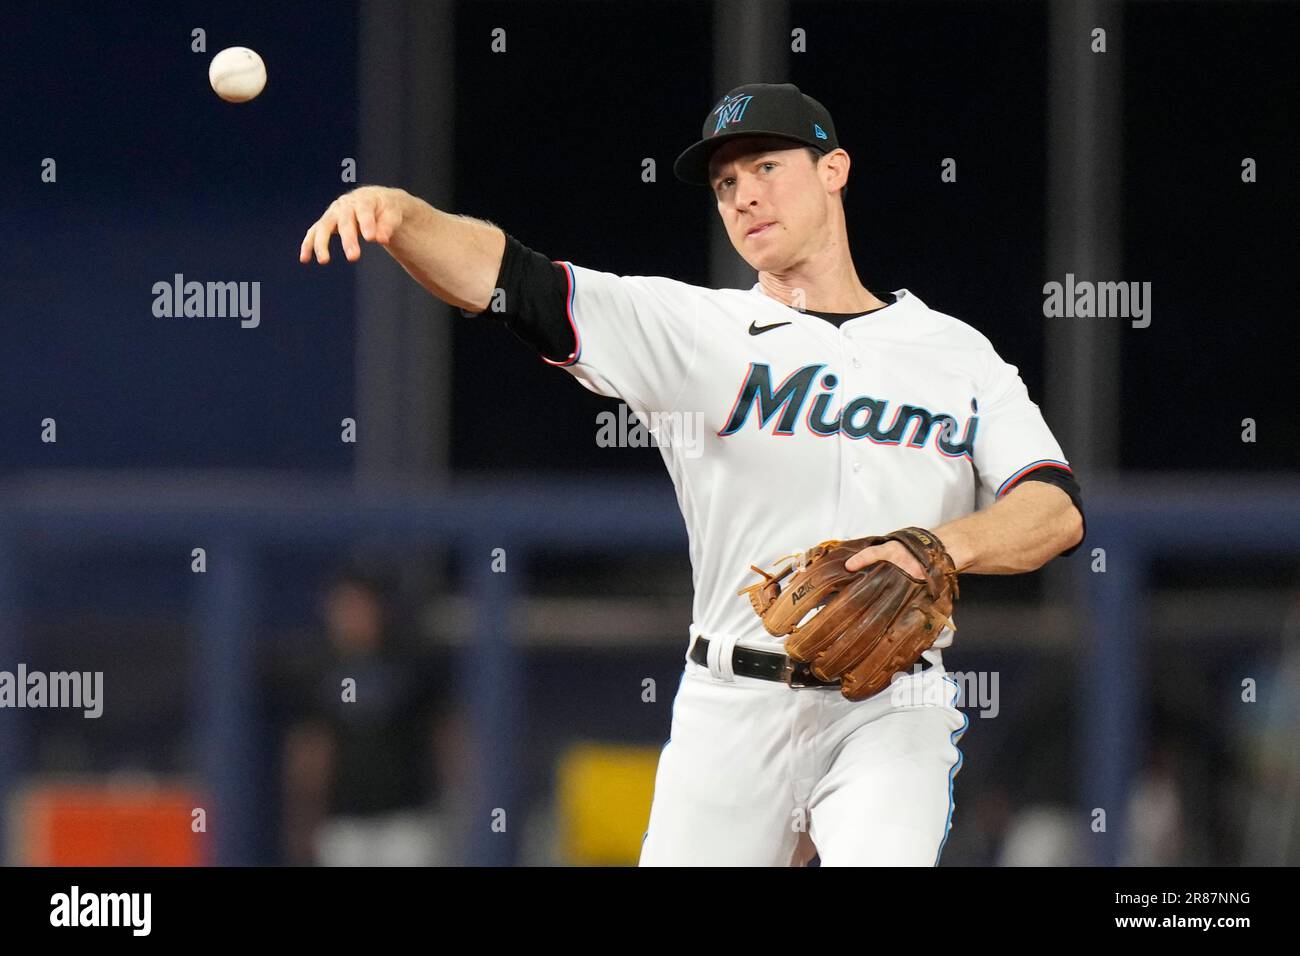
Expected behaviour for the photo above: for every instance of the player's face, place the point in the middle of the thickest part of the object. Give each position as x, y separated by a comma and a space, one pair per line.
772, 200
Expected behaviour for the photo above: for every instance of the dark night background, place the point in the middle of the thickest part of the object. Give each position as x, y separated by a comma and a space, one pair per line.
158, 176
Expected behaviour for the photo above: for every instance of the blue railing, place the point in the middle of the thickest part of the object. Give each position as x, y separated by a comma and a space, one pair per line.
1203, 521
234, 520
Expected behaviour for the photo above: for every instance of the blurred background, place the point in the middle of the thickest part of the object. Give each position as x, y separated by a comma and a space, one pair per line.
508, 600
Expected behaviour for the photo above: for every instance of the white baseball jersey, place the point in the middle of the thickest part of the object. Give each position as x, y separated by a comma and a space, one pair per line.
787, 430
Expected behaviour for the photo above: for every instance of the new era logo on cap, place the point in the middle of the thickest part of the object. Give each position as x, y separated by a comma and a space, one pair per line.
821, 133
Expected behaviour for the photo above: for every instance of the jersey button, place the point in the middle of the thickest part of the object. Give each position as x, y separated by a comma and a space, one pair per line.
857, 362
857, 466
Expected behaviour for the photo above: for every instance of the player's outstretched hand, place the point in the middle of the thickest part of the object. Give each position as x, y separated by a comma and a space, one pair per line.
373, 211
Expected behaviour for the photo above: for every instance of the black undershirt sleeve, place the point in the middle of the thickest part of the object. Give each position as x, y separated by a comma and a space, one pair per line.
1066, 481
533, 292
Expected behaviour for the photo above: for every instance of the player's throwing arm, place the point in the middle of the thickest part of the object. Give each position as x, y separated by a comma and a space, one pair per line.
456, 258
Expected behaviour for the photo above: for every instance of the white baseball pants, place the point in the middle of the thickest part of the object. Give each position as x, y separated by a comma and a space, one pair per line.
756, 773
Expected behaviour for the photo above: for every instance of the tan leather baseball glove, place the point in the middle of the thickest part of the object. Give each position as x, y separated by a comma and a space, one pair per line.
869, 624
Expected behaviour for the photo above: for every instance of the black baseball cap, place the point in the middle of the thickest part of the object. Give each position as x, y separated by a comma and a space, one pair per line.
757, 109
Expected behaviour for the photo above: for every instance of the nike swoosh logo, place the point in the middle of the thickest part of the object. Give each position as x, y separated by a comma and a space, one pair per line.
756, 329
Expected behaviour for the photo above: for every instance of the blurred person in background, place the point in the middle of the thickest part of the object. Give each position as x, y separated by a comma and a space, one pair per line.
1268, 731
369, 749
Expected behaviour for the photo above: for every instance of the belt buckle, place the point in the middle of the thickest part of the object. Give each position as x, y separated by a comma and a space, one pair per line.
797, 674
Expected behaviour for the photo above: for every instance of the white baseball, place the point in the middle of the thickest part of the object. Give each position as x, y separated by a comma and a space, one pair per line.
237, 74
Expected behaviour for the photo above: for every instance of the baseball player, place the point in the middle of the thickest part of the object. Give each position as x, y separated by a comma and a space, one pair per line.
825, 411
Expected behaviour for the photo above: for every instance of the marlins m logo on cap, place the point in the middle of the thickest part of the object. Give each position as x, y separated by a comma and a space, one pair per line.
730, 110
757, 109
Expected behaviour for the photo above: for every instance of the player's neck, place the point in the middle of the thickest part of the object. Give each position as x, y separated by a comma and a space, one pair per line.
840, 292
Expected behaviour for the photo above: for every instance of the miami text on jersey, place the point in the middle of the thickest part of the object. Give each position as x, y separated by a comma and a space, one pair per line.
862, 417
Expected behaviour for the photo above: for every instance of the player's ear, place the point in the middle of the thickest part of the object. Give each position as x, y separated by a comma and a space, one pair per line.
835, 167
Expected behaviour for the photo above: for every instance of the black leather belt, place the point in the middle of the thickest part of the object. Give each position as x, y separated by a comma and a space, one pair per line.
765, 665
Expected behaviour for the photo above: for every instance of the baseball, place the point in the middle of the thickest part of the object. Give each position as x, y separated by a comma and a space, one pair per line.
237, 74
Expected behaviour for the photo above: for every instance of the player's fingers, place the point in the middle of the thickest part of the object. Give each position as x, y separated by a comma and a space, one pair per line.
366, 221
304, 251
880, 552
386, 223
348, 233
863, 558
912, 568
321, 239
899, 557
